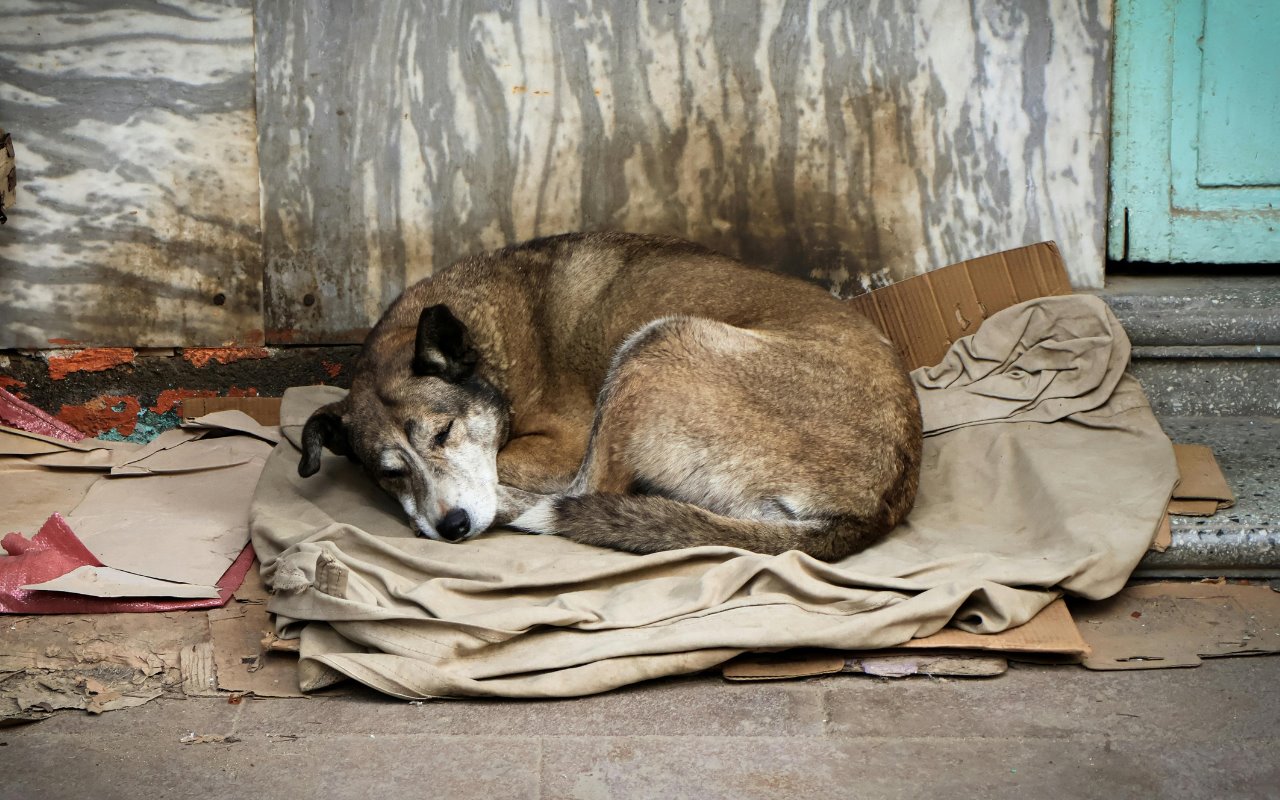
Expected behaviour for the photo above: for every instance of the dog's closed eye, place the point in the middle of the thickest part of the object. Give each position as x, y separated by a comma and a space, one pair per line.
443, 435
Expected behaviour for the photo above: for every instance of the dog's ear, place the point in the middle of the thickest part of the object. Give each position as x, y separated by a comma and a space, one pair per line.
444, 347
324, 429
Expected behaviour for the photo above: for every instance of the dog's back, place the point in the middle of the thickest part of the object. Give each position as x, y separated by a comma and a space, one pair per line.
738, 406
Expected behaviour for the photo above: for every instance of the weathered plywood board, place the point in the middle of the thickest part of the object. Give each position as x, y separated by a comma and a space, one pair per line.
139, 219
854, 143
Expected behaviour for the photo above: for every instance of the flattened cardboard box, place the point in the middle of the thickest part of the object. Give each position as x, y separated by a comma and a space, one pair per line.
1202, 489
266, 410
1051, 635
1176, 624
924, 316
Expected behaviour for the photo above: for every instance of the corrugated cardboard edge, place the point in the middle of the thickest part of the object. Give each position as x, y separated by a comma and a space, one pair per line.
924, 315
264, 410
1202, 488
1164, 534
1052, 633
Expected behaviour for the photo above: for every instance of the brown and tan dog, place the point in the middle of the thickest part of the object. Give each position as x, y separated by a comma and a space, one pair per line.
636, 392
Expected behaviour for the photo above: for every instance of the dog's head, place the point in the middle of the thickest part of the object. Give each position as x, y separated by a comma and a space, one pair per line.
424, 426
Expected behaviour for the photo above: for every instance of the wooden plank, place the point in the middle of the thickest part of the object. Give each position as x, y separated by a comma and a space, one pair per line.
139, 221
521, 119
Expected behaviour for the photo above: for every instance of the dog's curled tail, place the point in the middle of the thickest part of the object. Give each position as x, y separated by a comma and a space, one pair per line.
652, 523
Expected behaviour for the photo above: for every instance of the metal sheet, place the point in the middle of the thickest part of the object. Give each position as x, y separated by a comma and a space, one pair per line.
851, 143
139, 219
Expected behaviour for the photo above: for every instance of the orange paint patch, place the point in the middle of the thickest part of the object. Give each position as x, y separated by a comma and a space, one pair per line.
92, 360
201, 356
103, 413
169, 398
9, 383
331, 368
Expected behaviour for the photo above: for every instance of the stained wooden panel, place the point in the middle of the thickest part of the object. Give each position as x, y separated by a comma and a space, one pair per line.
138, 217
854, 143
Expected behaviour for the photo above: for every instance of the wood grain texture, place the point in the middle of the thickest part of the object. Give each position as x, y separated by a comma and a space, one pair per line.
853, 143
136, 139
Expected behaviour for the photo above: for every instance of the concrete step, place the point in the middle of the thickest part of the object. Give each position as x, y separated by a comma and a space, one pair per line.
1204, 343
1241, 541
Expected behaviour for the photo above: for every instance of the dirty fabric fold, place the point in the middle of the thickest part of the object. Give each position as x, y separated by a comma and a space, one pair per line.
1044, 471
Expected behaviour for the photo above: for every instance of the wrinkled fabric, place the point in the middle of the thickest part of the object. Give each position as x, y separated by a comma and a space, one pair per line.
1044, 471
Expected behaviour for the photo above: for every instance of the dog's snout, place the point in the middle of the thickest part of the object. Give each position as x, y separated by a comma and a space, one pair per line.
455, 525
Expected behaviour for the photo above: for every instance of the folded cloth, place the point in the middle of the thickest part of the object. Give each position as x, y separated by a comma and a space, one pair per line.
1044, 471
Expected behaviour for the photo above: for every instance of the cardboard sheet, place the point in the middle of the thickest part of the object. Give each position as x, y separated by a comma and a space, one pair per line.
242, 632
1176, 624
175, 524
926, 314
107, 582
174, 510
1202, 488
55, 551
234, 419
1164, 536
1051, 633
264, 410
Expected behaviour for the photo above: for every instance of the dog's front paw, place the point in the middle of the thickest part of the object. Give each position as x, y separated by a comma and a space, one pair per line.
513, 502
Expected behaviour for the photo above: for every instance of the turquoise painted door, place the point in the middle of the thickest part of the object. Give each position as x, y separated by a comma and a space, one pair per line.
1195, 158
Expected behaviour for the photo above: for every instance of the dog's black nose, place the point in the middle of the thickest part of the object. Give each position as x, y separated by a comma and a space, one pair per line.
455, 525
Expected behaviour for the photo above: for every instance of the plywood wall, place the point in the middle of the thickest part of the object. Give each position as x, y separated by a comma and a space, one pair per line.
137, 220
854, 143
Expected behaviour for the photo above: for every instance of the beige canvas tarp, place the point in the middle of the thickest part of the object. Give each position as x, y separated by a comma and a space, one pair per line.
1044, 471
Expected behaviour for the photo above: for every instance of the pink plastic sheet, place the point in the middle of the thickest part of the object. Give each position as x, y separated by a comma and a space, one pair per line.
56, 550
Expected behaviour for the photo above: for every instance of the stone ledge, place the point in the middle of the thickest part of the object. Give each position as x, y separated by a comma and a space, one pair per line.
1196, 309
1243, 540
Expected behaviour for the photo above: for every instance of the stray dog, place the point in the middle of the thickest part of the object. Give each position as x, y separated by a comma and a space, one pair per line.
636, 392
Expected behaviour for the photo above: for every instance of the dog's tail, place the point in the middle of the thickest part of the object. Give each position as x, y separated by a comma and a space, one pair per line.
652, 523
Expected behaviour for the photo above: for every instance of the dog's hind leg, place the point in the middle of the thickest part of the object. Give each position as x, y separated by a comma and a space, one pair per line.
697, 441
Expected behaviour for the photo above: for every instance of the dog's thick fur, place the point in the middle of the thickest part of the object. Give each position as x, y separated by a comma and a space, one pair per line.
635, 392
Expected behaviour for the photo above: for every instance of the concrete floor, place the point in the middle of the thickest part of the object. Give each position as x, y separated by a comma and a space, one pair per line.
1055, 732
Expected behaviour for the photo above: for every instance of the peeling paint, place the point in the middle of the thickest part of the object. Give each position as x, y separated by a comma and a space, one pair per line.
104, 413
97, 359
333, 369
125, 418
9, 383
201, 356
169, 398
